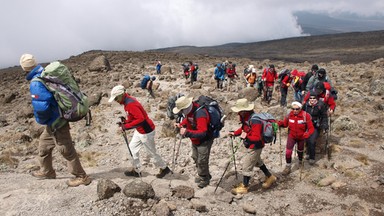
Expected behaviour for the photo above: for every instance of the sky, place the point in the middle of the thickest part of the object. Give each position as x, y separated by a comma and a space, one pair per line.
57, 29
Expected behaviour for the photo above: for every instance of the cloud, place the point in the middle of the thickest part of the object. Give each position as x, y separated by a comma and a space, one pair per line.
58, 29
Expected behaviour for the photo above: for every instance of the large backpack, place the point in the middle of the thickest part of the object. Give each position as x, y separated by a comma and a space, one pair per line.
58, 79
270, 126
144, 81
215, 112
196, 67
283, 74
171, 104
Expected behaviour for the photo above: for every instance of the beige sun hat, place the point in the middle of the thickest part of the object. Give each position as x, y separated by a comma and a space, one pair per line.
182, 103
116, 91
27, 62
242, 105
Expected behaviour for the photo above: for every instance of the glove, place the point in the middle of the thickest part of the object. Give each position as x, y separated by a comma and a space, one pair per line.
306, 135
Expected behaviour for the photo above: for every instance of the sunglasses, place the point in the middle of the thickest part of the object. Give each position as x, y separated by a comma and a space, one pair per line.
312, 98
295, 108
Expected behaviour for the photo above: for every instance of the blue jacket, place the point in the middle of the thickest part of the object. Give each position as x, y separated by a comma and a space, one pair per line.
219, 73
45, 107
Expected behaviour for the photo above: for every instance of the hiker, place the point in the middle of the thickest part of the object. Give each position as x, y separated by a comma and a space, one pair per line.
259, 84
219, 76
149, 87
195, 126
296, 84
57, 131
306, 78
253, 142
158, 67
321, 76
318, 111
247, 70
269, 76
186, 70
300, 128
144, 134
251, 78
323, 95
284, 85
231, 73
193, 70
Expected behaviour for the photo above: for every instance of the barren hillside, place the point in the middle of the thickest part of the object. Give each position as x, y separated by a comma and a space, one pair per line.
351, 183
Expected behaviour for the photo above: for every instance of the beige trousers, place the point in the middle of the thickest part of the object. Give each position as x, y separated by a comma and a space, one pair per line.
63, 140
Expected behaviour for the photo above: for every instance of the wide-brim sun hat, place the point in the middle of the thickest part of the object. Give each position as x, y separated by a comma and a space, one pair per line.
243, 105
116, 91
182, 103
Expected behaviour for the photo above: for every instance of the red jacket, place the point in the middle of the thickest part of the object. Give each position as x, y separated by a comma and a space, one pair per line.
197, 123
231, 72
286, 82
299, 126
269, 75
136, 116
325, 97
254, 132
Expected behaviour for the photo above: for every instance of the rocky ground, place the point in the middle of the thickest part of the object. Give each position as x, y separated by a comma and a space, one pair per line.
351, 183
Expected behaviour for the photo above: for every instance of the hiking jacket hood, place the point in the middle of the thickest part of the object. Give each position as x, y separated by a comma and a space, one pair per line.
137, 117
45, 108
299, 126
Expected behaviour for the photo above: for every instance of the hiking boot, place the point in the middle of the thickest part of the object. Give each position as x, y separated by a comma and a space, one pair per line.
163, 172
270, 180
199, 178
240, 189
132, 173
311, 162
41, 175
286, 170
203, 183
306, 157
74, 182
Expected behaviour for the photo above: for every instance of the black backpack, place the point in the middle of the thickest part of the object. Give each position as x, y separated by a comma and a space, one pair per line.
215, 112
283, 74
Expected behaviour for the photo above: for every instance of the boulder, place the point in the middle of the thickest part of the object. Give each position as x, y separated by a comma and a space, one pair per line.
99, 64
139, 189
106, 189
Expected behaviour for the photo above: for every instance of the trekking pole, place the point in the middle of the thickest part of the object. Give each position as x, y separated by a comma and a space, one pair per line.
280, 152
226, 168
177, 151
234, 157
126, 141
301, 168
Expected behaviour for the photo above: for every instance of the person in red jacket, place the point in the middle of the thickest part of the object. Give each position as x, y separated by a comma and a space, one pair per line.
195, 126
269, 76
144, 135
285, 83
300, 127
324, 95
251, 133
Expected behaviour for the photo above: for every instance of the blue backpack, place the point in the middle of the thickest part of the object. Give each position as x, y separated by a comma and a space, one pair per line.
144, 81
215, 112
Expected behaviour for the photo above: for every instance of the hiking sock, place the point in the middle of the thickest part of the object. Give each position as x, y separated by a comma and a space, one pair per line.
246, 180
265, 170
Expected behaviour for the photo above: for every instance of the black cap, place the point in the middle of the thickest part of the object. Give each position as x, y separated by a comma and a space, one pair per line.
322, 71
313, 93
272, 66
315, 67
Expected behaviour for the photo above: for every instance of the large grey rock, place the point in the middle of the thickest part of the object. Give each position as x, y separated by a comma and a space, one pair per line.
139, 189
161, 209
106, 189
249, 93
344, 123
99, 64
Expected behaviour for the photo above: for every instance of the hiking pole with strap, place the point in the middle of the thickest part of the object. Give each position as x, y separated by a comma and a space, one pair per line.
234, 157
126, 141
177, 151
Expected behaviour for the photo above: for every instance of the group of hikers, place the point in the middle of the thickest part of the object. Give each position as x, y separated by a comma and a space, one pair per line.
200, 120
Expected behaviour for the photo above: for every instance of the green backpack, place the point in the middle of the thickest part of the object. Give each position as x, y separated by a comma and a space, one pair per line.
58, 79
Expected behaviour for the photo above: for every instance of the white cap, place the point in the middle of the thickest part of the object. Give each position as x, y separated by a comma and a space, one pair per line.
116, 91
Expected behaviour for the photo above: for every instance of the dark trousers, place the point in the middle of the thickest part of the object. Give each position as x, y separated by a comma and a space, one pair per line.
284, 92
311, 144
